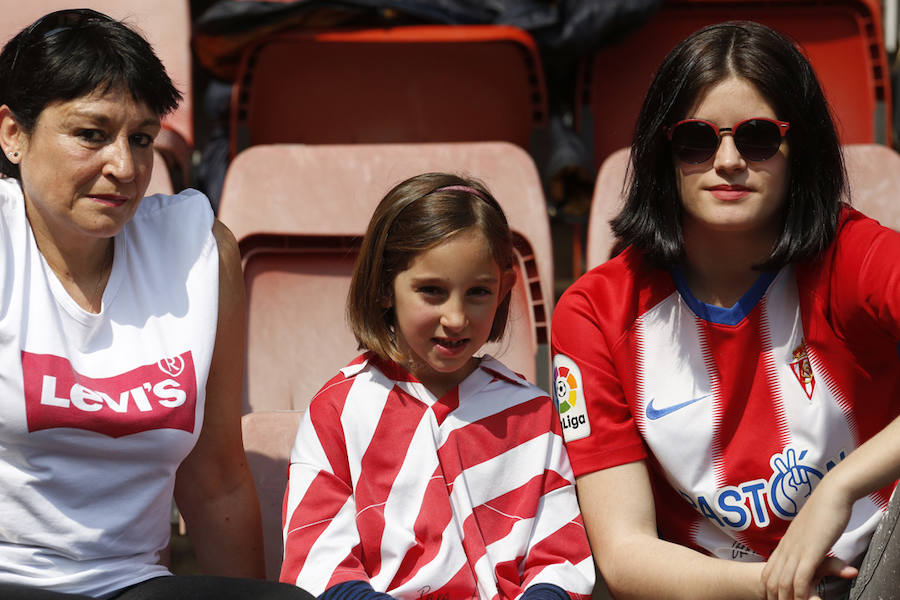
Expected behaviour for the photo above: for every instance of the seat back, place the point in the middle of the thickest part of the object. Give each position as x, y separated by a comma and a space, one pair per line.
873, 173
608, 200
299, 212
268, 439
842, 40
436, 83
160, 181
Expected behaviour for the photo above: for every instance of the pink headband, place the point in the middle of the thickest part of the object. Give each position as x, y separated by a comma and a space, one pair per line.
462, 188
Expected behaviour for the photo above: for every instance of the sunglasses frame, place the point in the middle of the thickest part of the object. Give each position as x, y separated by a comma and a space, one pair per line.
783, 127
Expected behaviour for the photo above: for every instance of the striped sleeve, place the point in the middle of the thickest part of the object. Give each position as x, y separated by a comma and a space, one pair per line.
322, 545
558, 552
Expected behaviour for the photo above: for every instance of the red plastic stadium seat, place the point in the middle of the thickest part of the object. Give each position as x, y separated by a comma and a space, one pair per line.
268, 438
434, 83
874, 172
607, 202
160, 181
299, 212
842, 39
167, 26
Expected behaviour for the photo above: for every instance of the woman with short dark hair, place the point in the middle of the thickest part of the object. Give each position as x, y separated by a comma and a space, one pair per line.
122, 330
730, 380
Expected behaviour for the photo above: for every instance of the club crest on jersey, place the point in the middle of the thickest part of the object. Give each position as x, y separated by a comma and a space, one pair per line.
568, 391
159, 395
802, 369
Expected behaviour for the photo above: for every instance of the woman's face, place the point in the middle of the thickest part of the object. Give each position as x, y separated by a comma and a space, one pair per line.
728, 193
86, 165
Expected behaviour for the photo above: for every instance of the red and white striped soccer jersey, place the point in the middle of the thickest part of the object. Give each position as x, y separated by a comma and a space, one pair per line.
739, 412
466, 496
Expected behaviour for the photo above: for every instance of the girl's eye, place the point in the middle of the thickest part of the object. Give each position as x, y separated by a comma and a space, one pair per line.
142, 140
92, 136
481, 291
430, 290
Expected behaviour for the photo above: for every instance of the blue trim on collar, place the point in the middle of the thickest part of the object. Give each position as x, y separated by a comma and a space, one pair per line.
719, 314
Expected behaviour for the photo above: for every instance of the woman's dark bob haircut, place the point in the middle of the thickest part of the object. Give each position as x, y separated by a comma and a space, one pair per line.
651, 219
417, 215
73, 53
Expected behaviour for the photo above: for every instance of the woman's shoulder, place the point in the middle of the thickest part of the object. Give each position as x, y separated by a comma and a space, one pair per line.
182, 223
189, 204
855, 223
858, 239
622, 288
10, 194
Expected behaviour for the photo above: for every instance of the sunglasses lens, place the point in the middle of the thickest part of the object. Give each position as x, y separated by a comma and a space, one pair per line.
757, 140
694, 142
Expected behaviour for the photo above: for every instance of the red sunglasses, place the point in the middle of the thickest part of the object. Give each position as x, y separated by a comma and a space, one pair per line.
695, 141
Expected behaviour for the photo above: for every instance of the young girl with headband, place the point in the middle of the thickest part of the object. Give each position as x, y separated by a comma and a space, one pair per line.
422, 470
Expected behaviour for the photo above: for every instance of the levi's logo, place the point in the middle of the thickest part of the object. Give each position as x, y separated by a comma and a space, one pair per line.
161, 395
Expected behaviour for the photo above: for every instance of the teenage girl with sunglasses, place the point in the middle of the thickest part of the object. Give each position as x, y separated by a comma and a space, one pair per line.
737, 364
423, 470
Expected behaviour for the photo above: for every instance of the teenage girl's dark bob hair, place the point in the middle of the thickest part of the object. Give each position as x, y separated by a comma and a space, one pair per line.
417, 215
73, 53
651, 218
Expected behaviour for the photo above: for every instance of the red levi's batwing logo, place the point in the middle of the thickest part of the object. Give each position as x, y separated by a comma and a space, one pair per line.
161, 395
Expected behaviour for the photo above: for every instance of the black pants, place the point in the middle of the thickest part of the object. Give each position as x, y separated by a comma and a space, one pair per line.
177, 587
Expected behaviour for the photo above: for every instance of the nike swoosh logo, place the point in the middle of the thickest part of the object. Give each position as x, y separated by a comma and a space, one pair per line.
658, 413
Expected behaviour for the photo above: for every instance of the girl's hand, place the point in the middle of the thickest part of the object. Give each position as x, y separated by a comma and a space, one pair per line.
800, 560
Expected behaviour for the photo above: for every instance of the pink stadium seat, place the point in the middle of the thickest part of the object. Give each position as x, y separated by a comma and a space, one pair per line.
298, 212
873, 171
160, 181
842, 39
432, 83
268, 438
167, 25
608, 201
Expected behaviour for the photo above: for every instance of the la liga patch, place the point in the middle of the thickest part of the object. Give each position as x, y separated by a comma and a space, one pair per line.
568, 392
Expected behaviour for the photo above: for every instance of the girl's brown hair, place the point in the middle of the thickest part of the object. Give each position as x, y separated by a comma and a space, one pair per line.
415, 216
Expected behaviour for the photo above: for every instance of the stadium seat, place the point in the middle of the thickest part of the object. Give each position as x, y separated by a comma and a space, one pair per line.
268, 439
873, 171
430, 83
160, 181
606, 204
299, 211
166, 24
842, 39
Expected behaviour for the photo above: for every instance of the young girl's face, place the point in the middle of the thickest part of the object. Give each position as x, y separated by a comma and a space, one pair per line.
444, 305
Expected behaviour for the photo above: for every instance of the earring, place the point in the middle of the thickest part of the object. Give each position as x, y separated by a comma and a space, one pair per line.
14, 155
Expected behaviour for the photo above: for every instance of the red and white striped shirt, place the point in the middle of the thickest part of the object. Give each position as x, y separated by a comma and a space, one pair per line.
739, 412
466, 496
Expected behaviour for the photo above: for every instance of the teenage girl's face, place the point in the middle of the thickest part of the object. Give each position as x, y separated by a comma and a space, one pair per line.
444, 305
86, 164
728, 193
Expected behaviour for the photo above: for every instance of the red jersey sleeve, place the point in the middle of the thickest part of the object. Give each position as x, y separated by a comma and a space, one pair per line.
865, 279
593, 370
